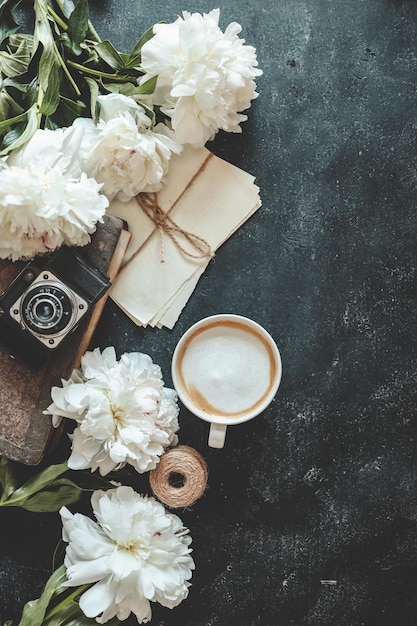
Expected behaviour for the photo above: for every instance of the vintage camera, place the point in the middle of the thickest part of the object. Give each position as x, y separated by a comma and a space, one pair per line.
46, 302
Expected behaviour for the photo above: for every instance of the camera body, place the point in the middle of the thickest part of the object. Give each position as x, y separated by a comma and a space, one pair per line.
46, 302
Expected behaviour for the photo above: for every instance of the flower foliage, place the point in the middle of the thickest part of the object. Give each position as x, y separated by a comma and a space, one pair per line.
180, 84
188, 71
125, 415
52, 76
135, 553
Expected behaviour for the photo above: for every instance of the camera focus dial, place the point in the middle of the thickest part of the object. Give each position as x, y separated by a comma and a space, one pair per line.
47, 308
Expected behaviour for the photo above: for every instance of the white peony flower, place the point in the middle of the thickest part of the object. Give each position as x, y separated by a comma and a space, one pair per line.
205, 76
45, 198
124, 151
136, 553
125, 415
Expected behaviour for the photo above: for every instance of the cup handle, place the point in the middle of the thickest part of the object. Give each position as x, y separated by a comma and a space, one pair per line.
217, 435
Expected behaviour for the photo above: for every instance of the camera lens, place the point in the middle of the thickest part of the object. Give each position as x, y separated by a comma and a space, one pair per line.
44, 311
47, 308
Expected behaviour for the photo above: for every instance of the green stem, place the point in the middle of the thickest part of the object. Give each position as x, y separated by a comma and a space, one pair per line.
39, 114
72, 596
97, 73
57, 19
66, 70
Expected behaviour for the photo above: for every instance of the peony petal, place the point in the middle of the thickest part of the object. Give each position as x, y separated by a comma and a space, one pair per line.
124, 153
136, 552
125, 415
98, 599
84, 449
205, 77
86, 572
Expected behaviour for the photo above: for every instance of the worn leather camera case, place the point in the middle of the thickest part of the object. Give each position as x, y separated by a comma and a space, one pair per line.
70, 271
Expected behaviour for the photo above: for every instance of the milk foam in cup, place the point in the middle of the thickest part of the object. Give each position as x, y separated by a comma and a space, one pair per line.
226, 369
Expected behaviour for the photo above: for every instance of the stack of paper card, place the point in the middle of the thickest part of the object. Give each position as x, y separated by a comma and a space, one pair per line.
205, 196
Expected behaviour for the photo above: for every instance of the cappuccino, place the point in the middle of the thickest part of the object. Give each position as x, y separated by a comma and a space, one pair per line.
227, 368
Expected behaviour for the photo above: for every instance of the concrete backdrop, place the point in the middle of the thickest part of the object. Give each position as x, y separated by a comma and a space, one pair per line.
310, 516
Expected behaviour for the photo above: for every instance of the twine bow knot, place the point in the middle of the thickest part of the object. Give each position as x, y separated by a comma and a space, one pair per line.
148, 202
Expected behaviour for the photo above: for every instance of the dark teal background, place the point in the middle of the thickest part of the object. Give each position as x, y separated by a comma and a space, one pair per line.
310, 516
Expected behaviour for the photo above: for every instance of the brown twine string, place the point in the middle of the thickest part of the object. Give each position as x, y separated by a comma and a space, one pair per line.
179, 462
148, 202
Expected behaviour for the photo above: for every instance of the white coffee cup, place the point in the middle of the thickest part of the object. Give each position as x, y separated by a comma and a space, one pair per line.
226, 369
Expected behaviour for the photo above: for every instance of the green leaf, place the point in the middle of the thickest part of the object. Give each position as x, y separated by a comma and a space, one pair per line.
8, 24
91, 481
48, 490
147, 35
73, 616
149, 112
148, 86
62, 492
31, 118
7, 479
65, 615
8, 106
48, 72
125, 58
94, 92
23, 88
11, 121
59, 554
78, 25
36, 483
44, 478
16, 61
132, 89
15, 41
68, 110
50, 99
5, 105
133, 62
109, 54
43, 38
34, 610
70, 614
66, 6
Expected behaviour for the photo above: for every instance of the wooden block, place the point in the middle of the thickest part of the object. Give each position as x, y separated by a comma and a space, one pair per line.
25, 432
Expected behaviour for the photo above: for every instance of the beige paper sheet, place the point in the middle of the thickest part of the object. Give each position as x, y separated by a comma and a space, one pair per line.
205, 196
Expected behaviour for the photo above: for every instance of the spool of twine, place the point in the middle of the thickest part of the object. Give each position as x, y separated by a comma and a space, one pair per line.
180, 477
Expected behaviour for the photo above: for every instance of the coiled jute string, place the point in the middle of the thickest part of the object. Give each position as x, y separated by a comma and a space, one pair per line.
180, 478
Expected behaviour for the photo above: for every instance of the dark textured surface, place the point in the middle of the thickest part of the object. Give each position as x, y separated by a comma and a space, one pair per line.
310, 518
